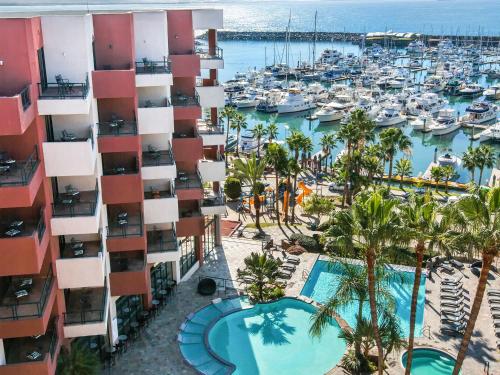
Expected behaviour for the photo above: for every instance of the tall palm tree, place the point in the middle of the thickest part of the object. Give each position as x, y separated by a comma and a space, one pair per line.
295, 168
477, 223
394, 140
295, 142
448, 173
259, 131
437, 175
77, 361
372, 166
349, 134
228, 113
470, 161
372, 225
250, 172
403, 169
277, 157
272, 131
239, 123
365, 126
307, 147
486, 159
327, 143
419, 218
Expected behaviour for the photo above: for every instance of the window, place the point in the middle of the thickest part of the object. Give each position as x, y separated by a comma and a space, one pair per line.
209, 238
161, 275
188, 254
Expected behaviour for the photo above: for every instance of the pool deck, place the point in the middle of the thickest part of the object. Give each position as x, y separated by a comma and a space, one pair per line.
157, 351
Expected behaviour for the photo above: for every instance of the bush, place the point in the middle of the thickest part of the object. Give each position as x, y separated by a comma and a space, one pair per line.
260, 187
307, 242
232, 188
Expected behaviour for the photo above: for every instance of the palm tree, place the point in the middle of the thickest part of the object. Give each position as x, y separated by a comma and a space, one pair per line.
394, 140
448, 173
307, 147
486, 158
238, 124
365, 126
419, 218
294, 169
372, 225
77, 361
272, 131
437, 175
295, 142
250, 172
349, 134
327, 143
229, 113
259, 131
372, 166
277, 157
477, 223
470, 161
403, 169
260, 273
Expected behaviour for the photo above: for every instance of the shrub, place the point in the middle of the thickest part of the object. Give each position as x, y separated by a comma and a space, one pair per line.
232, 188
260, 187
307, 242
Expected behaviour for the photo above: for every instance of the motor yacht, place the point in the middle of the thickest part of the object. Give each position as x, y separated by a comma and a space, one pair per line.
480, 112
389, 116
491, 134
246, 101
445, 123
427, 102
294, 102
331, 112
493, 92
423, 122
470, 90
448, 159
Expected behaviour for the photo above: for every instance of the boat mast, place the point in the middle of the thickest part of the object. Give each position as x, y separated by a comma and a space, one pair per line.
314, 41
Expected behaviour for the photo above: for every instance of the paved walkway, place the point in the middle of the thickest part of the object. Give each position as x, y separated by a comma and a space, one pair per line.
157, 351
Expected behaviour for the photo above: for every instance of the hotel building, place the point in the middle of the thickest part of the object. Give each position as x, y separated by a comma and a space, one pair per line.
111, 158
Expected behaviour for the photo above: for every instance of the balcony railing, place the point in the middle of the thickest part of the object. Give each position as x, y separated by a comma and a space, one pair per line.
75, 203
63, 89
71, 137
127, 264
40, 227
80, 249
26, 297
208, 128
21, 228
25, 98
205, 52
121, 170
214, 200
117, 128
155, 158
182, 100
84, 311
152, 67
161, 103
129, 226
188, 181
158, 194
16, 172
162, 241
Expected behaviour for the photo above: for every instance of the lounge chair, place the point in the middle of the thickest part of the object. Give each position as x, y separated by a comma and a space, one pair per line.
452, 295
455, 263
290, 258
452, 328
453, 303
493, 300
495, 315
453, 319
496, 323
493, 292
447, 268
497, 332
451, 280
452, 289
285, 274
452, 310
287, 266
495, 307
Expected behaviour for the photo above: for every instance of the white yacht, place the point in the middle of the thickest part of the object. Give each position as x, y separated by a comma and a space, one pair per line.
294, 102
434, 84
491, 134
471, 89
331, 112
427, 102
423, 122
445, 123
448, 159
389, 116
369, 106
399, 82
480, 112
248, 142
246, 101
493, 92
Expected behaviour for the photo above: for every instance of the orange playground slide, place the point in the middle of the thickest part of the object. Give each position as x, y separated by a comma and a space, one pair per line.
305, 192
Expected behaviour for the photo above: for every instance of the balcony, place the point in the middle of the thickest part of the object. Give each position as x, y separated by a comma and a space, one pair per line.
212, 169
213, 203
78, 151
211, 58
113, 82
211, 96
81, 265
158, 164
153, 73
188, 186
186, 107
19, 180
64, 98
86, 312
34, 355
155, 117
118, 135
23, 244
212, 135
191, 223
76, 212
129, 276
162, 246
125, 230
17, 112
121, 182
187, 147
26, 304
160, 206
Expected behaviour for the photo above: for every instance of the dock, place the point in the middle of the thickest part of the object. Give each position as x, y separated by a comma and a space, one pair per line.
427, 173
494, 178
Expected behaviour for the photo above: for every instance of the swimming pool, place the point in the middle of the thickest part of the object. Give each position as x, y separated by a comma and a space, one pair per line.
274, 339
428, 361
323, 282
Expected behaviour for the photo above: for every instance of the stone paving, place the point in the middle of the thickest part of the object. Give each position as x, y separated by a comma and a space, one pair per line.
157, 352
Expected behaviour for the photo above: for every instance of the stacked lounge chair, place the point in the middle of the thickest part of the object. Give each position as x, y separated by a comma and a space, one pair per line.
493, 300
288, 265
454, 313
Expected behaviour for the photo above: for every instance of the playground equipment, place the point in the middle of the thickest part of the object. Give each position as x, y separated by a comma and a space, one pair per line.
305, 192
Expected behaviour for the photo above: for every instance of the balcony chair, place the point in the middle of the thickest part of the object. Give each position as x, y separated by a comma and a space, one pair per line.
72, 193
153, 152
68, 137
63, 85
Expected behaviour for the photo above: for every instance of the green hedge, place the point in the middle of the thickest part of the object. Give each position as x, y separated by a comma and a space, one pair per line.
232, 188
307, 242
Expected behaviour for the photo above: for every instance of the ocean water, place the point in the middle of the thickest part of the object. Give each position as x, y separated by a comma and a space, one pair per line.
324, 280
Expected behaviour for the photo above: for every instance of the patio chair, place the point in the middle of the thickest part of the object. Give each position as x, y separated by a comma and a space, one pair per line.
447, 268
493, 292
452, 280
497, 332
153, 152
448, 295
72, 192
455, 263
290, 258
288, 267
453, 303
493, 300
285, 274
451, 310
453, 318
67, 136
452, 328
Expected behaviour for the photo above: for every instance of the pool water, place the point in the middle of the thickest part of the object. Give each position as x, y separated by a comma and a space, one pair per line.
274, 339
324, 280
430, 362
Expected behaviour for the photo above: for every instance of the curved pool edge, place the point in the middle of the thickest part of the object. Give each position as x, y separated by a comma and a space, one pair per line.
426, 347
